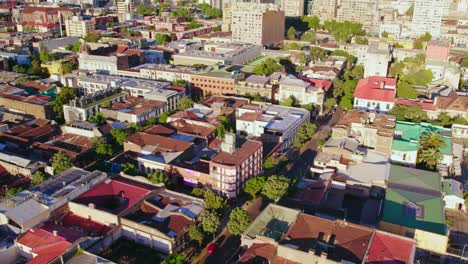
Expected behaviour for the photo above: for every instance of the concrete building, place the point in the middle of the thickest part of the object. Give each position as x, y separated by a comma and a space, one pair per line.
125, 9
378, 58
216, 82
263, 86
453, 195
375, 94
374, 131
236, 162
77, 27
271, 123
304, 92
427, 17
358, 11
259, 24
134, 110
293, 8
168, 72
324, 9
220, 53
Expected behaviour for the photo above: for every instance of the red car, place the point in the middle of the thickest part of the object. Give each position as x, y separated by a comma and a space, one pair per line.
211, 248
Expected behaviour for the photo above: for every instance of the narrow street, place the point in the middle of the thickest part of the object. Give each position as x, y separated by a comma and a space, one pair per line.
228, 245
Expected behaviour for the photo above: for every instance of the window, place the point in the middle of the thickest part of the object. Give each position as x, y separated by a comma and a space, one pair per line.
413, 210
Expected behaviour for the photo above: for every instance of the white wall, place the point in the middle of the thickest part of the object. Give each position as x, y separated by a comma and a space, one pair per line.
409, 158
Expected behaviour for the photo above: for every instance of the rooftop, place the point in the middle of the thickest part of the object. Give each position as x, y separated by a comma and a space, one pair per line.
135, 105
385, 124
389, 248
245, 150
376, 89
114, 196
414, 199
158, 143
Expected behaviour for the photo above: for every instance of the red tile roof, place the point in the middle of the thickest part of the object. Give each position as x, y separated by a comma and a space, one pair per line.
162, 144
45, 244
89, 226
240, 155
324, 84
425, 104
36, 86
182, 126
106, 196
264, 250
372, 88
390, 249
160, 130
30, 23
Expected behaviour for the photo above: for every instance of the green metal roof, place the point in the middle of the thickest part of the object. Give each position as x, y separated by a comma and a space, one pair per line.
408, 187
411, 132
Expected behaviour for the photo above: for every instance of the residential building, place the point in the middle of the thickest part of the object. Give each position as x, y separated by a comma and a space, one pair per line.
125, 9
28, 208
414, 207
77, 27
271, 123
406, 143
293, 8
263, 86
372, 130
329, 69
216, 82
84, 107
358, 11
134, 110
161, 221
277, 235
303, 92
85, 129
220, 54
375, 94
378, 59
427, 17
325, 9
34, 105
258, 24
453, 195
438, 50
109, 200
237, 161
168, 72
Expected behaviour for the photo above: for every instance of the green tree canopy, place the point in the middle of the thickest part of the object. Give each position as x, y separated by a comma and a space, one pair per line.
276, 187
239, 220
304, 134
194, 24
209, 221
406, 90
162, 119
61, 162
313, 22
162, 39
93, 36
119, 135
330, 103
185, 103
309, 36
98, 119
291, 33
343, 31
267, 67
63, 97
290, 101
317, 54
38, 177
213, 201
145, 10
158, 176
104, 150
254, 185
194, 234
413, 113
174, 258
129, 168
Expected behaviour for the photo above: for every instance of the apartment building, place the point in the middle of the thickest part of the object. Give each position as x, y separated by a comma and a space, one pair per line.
375, 94
304, 92
125, 9
378, 58
264, 86
324, 9
358, 11
293, 8
168, 72
236, 162
427, 17
216, 82
78, 27
259, 24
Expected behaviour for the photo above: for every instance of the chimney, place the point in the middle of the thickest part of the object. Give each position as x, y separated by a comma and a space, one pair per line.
55, 232
382, 85
229, 143
91, 205
122, 194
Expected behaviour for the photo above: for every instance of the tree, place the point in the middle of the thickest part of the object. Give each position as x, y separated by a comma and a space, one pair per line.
193, 24
317, 54
254, 185
309, 36
98, 119
38, 177
313, 22
350, 58
93, 36
304, 134
209, 11
198, 192
239, 220
144, 10
291, 33
63, 97
180, 83
195, 234
119, 135
343, 31
162, 39
330, 103
429, 149
419, 42
213, 201
129, 168
384, 34
410, 11
406, 90
464, 62
104, 150
267, 67
185, 103
413, 113
209, 221
292, 46
276, 187
45, 56
69, 66
74, 47
174, 258
290, 101
158, 176
61, 162
361, 40
346, 102
162, 119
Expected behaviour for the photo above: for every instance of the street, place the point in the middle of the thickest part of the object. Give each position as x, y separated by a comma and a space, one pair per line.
228, 245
